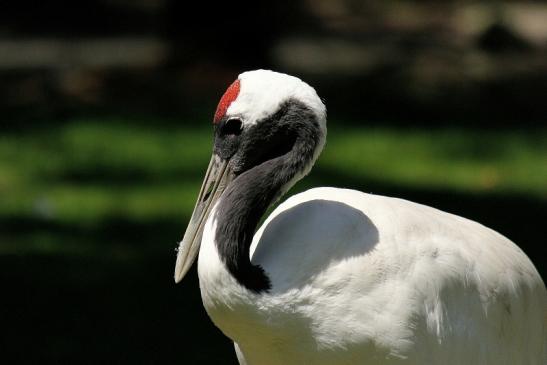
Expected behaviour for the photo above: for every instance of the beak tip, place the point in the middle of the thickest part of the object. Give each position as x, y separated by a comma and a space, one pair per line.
179, 270
182, 265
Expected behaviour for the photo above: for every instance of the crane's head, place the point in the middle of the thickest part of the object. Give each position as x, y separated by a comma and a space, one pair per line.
257, 95
262, 116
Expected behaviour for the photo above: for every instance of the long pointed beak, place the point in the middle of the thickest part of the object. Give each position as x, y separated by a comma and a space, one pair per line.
217, 177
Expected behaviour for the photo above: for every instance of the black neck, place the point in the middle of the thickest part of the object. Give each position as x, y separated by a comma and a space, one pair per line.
248, 197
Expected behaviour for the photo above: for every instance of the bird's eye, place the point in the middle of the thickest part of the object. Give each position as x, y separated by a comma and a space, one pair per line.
232, 127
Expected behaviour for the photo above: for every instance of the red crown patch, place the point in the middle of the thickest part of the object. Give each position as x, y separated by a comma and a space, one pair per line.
229, 96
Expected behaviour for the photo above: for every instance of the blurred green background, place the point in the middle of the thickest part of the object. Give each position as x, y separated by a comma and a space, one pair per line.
106, 132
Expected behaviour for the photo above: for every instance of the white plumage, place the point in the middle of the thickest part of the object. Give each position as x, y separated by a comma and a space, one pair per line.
365, 279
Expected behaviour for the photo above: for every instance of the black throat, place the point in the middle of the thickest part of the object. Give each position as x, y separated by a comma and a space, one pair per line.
287, 151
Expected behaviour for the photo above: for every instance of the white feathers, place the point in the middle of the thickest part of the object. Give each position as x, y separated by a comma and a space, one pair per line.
359, 278
263, 91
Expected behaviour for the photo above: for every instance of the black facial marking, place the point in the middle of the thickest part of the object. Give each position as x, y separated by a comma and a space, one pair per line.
232, 127
227, 137
266, 157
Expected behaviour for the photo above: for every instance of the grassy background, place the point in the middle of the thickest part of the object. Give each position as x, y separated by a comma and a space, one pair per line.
87, 171
92, 210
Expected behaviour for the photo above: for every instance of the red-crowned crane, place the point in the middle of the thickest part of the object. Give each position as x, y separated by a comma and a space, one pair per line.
336, 276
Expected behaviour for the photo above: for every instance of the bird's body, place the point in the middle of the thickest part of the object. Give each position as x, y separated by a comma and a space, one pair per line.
365, 279
336, 276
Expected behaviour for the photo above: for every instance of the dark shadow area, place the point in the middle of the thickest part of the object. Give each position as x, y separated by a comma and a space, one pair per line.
117, 303
387, 97
302, 241
58, 311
